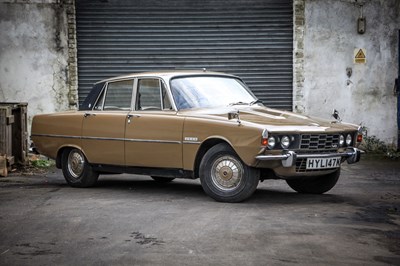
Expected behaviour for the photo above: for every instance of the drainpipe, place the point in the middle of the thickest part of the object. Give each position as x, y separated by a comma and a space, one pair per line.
397, 90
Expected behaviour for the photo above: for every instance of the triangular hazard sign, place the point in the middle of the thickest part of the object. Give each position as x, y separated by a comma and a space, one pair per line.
360, 54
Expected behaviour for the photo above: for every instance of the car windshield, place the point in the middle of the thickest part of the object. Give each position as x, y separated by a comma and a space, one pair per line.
209, 91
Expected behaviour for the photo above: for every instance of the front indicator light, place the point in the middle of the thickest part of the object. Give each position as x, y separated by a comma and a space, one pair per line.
264, 137
285, 142
348, 139
264, 142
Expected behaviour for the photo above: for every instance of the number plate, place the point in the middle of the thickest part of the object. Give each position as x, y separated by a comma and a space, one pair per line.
323, 163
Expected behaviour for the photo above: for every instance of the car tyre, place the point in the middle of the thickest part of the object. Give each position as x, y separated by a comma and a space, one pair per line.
224, 177
77, 171
161, 179
315, 185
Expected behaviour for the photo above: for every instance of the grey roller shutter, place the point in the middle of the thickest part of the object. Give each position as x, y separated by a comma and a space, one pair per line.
251, 39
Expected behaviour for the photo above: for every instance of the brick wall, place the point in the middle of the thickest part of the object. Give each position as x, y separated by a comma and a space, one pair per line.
72, 68
298, 56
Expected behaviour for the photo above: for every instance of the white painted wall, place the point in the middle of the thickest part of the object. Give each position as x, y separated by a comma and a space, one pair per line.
330, 37
33, 55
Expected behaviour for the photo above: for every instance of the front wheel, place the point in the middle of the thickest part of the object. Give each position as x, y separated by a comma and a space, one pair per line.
77, 171
224, 177
315, 185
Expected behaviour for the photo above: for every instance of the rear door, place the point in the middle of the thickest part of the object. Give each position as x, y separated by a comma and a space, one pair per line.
104, 127
153, 135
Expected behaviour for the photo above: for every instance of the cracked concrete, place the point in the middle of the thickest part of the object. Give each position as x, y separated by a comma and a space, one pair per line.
132, 220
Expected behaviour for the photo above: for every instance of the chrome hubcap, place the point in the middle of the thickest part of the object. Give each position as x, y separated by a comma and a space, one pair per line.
227, 173
76, 163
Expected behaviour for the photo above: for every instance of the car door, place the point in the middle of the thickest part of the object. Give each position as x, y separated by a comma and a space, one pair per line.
103, 128
153, 136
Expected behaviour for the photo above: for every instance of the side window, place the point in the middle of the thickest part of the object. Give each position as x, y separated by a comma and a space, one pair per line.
149, 94
166, 102
99, 103
118, 95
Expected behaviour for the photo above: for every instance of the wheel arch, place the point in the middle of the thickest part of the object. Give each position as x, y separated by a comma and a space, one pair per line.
62, 149
204, 147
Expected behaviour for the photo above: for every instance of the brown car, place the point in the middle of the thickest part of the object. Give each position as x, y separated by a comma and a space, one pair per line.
194, 124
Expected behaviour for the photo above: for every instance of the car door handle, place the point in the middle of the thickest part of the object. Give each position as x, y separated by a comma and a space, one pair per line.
88, 114
130, 116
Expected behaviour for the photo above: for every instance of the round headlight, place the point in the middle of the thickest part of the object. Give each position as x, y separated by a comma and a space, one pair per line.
341, 140
348, 139
285, 142
271, 142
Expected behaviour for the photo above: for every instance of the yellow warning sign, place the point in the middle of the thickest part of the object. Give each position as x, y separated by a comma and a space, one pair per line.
360, 56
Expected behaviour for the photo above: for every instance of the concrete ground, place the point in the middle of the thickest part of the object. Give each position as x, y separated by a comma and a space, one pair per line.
132, 220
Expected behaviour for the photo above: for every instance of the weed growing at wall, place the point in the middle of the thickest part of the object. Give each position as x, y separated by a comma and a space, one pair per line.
371, 144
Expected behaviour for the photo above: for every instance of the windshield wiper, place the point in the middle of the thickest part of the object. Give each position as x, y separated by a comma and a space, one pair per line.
237, 103
256, 101
243, 103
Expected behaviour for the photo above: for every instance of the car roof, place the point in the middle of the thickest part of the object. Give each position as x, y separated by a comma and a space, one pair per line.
168, 74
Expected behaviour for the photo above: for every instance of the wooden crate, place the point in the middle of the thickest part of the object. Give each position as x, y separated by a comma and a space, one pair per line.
14, 133
3, 165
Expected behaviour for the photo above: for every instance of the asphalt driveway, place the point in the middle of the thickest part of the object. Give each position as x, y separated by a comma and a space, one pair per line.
132, 220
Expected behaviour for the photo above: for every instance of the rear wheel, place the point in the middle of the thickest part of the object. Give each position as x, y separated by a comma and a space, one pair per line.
161, 179
224, 177
315, 185
77, 172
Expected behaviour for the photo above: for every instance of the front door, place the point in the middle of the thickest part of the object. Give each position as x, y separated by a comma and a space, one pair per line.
153, 136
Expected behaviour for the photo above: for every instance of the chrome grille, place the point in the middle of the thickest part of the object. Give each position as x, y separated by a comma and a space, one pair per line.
319, 142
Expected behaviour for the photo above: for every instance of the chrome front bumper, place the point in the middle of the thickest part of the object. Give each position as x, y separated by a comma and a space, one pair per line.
289, 158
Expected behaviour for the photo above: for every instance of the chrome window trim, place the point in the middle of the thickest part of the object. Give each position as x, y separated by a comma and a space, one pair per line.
119, 80
134, 94
159, 92
106, 91
135, 89
166, 85
171, 101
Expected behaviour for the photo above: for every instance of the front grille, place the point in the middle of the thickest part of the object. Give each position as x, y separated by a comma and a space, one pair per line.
319, 141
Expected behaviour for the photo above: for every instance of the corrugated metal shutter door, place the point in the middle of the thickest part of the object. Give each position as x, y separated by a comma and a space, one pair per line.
251, 39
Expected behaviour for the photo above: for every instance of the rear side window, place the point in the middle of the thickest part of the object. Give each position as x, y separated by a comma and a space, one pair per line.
118, 95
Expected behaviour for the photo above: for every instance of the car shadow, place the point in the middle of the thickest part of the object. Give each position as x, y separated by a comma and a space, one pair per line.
192, 190
282, 196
